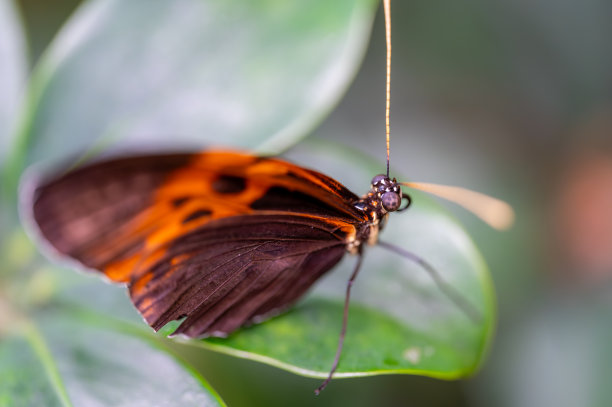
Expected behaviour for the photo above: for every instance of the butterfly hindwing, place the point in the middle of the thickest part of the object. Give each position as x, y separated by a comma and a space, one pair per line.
217, 238
236, 270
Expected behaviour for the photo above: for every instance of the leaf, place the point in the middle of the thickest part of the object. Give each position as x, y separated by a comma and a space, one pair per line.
12, 72
186, 72
23, 379
68, 360
400, 321
61, 355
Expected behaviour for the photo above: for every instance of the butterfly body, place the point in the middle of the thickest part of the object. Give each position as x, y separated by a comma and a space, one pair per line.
219, 239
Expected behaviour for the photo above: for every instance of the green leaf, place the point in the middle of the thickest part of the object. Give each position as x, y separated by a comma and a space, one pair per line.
12, 72
60, 355
186, 72
68, 359
400, 321
23, 381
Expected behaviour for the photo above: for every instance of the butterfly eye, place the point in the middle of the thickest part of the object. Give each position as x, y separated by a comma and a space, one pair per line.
391, 201
378, 178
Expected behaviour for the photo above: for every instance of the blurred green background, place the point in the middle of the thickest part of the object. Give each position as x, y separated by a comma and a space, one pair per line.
510, 98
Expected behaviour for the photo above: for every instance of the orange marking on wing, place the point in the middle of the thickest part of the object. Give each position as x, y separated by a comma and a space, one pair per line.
217, 160
165, 234
174, 226
312, 178
121, 270
268, 168
129, 269
164, 221
196, 182
179, 259
347, 228
252, 167
148, 261
186, 182
293, 177
145, 308
250, 194
140, 284
278, 167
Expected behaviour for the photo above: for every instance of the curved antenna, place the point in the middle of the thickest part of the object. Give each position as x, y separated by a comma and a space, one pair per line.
387, 7
496, 213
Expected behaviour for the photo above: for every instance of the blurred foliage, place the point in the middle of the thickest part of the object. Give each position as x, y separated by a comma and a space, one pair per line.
193, 73
497, 97
12, 72
102, 83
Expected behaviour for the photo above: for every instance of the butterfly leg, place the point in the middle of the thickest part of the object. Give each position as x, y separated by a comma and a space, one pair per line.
344, 323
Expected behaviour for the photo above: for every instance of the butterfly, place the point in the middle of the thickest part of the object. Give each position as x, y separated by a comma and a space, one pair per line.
220, 239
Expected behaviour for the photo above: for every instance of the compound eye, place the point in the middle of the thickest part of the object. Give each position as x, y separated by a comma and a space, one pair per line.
378, 178
391, 201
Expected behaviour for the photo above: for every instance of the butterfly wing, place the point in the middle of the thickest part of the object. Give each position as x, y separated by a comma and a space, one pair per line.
220, 238
234, 270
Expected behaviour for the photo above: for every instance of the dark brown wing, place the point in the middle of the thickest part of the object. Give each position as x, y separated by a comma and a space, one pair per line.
87, 213
235, 270
132, 218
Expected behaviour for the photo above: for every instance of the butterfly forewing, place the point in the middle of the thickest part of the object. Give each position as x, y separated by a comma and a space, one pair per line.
82, 212
217, 238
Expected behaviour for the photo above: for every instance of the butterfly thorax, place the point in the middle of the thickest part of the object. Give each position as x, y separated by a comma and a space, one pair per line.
384, 196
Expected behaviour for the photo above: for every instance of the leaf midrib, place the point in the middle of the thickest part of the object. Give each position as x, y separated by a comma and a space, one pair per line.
38, 344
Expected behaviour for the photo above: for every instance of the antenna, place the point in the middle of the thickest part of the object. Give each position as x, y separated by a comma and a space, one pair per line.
387, 7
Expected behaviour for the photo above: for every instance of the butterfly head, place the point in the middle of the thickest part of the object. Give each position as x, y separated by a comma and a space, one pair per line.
385, 196
387, 191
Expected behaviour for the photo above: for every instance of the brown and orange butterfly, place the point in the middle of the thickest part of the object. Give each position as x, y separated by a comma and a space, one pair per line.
220, 239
